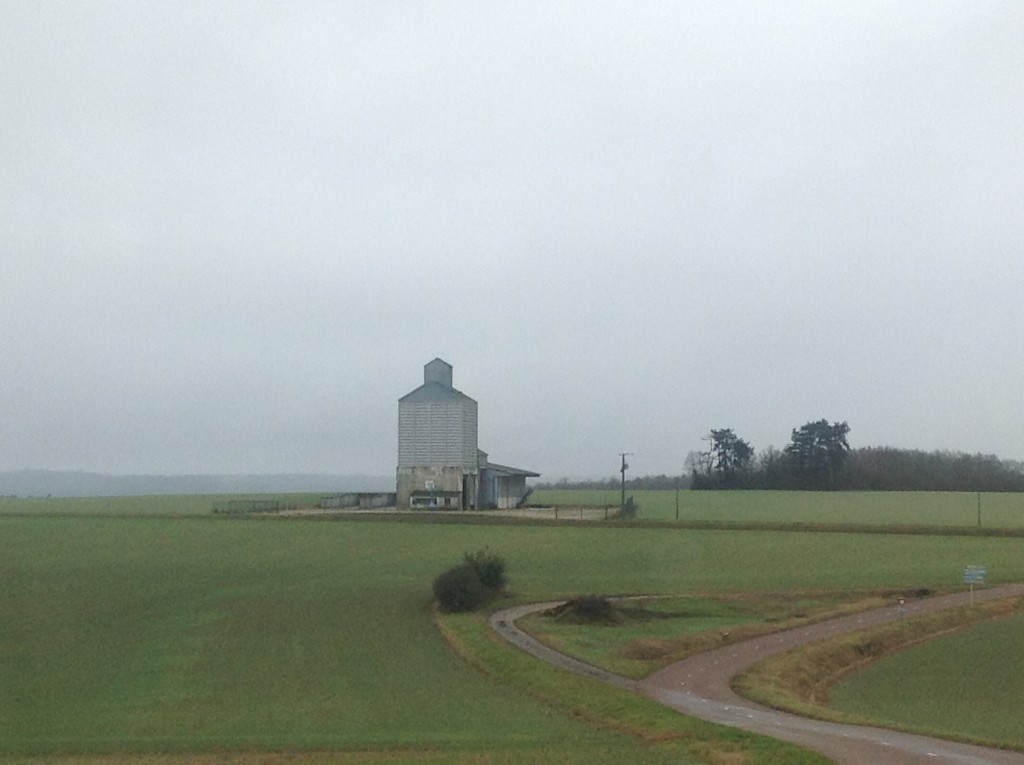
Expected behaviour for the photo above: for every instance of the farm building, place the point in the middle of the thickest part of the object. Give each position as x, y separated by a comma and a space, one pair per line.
439, 463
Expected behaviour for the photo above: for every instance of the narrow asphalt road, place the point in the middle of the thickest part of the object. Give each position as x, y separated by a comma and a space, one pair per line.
699, 687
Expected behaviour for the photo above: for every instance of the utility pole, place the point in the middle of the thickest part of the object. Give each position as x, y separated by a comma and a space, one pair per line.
677, 498
622, 504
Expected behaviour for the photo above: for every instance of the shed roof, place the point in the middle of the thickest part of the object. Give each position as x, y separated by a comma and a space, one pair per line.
506, 470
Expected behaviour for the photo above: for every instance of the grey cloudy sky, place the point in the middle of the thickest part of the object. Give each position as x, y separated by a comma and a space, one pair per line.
233, 232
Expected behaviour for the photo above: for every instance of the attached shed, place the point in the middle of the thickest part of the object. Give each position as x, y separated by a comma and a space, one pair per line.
504, 487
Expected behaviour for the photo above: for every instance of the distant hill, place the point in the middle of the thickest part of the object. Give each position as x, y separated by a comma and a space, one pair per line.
56, 483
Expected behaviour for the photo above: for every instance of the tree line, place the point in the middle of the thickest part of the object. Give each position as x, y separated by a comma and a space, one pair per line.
818, 457
636, 483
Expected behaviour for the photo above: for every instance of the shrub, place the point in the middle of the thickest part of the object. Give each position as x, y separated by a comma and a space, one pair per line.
460, 589
490, 568
588, 609
470, 584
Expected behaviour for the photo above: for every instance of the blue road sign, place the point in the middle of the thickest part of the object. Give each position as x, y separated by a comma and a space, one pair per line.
974, 575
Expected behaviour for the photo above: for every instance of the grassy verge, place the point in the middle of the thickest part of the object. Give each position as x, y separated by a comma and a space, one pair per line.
800, 680
658, 733
654, 633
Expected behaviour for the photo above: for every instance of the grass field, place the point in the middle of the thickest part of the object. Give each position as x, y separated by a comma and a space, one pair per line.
205, 634
884, 508
944, 509
156, 634
157, 505
967, 684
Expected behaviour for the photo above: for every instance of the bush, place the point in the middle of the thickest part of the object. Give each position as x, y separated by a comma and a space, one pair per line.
588, 609
490, 568
460, 589
470, 584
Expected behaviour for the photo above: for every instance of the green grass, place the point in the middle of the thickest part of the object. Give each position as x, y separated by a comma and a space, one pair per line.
157, 505
940, 509
207, 634
142, 635
604, 645
659, 734
967, 684
947, 509
658, 632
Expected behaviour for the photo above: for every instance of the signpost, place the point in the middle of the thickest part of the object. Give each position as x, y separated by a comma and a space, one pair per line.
974, 575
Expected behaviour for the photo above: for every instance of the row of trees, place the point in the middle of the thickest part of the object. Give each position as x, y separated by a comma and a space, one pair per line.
819, 457
888, 469
813, 459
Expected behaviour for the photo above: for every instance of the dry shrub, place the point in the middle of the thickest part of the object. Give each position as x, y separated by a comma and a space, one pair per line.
588, 609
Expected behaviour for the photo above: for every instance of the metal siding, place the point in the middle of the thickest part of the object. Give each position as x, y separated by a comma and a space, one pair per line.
437, 433
469, 434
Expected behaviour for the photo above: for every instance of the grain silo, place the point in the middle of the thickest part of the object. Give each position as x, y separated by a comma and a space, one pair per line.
439, 463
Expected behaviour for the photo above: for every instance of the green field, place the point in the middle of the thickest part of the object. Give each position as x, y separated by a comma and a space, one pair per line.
201, 633
885, 508
155, 634
945, 509
967, 684
156, 505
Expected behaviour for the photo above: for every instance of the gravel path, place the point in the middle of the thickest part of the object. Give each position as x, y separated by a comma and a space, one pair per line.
699, 686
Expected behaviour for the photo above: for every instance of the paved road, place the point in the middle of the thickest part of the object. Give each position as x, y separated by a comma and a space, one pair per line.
699, 686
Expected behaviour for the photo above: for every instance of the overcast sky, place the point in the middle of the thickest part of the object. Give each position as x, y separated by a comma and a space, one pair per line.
234, 232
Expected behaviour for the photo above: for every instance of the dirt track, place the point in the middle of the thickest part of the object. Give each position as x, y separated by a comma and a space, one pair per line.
699, 686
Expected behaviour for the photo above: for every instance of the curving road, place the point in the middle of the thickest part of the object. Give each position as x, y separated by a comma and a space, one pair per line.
699, 687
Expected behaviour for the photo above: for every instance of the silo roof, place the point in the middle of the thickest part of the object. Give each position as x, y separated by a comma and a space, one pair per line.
433, 392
